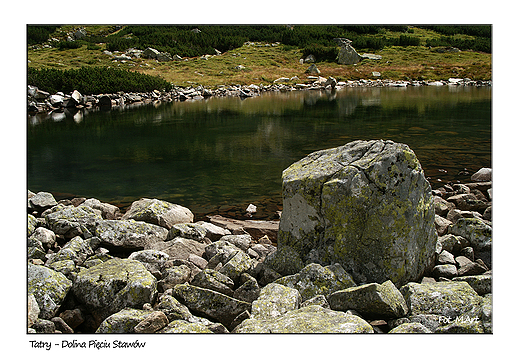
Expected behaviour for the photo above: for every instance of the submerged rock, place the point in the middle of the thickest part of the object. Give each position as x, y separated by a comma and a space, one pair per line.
366, 206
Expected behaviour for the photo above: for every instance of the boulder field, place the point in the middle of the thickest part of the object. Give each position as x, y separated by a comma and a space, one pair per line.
364, 245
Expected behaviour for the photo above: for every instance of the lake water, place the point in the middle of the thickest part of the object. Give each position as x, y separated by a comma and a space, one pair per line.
221, 154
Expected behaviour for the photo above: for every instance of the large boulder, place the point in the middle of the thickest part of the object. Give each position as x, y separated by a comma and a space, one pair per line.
365, 205
123, 322
447, 299
71, 221
274, 301
114, 285
48, 287
310, 319
347, 55
129, 234
316, 280
213, 304
158, 212
372, 300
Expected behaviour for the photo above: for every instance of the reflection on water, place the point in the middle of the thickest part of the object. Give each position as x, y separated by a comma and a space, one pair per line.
220, 154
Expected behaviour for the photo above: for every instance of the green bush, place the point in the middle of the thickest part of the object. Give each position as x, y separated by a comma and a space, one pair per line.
39, 34
94, 80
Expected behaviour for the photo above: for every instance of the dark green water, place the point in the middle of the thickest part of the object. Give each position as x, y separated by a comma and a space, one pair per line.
219, 155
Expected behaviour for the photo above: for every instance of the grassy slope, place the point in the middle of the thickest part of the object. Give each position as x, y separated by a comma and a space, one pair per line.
264, 64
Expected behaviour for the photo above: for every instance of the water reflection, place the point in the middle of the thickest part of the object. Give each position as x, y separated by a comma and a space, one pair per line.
224, 153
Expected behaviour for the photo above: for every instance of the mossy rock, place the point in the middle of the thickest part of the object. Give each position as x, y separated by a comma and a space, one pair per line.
158, 212
408, 328
310, 319
71, 221
129, 234
183, 327
212, 304
113, 285
446, 299
366, 205
371, 300
49, 288
123, 322
275, 300
315, 280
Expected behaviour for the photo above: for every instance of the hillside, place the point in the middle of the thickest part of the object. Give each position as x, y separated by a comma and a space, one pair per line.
224, 55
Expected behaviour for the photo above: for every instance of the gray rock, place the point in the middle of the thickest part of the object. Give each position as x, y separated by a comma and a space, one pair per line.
373, 300
212, 304
407, 328
482, 175
366, 206
158, 212
113, 285
211, 279
236, 265
444, 270
48, 287
320, 300
446, 257
42, 201
172, 308
178, 248
123, 322
108, 211
249, 291
173, 276
129, 234
482, 284
184, 327
152, 323
76, 250
71, 221
275, 300
242, 241
32, 223
214, 232
152, 260
315, 280
310, 319
33, 311
347, 54
446, 299
44, 236
187, 230
478, 234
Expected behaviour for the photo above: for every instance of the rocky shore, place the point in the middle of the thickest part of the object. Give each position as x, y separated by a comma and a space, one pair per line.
93, 269
39, 101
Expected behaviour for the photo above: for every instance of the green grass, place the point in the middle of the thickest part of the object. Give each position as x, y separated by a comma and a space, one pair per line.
264, 64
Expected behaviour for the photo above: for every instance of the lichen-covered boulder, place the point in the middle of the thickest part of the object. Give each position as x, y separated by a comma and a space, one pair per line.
365, 205
129, 234
48, 287
447, 299
42, 201
158, 212
33, 311
172, 308
108, 211
213, 304
183, 327
310, 319
482, 283
76, 250
71, 221
372, 300
211, 279
178, 248
316, 280
152, 260
275, 300
236, 265
407, 328
113, 285
32, 223
478, 233
193, 231
123, 322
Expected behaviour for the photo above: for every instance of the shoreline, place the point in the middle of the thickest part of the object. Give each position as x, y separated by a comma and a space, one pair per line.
40, 102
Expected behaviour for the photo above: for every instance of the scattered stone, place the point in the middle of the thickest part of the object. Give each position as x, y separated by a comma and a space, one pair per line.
158, 212
408, 328
48, 287
373, 300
